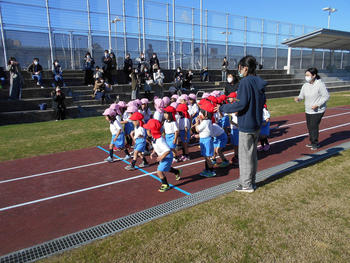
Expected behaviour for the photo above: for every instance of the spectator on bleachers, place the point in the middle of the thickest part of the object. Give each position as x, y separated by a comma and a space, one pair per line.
178, 80
154, 63
99, 91
2, 77
231, 84
88, 66
36, 69
127, 68
159, 80
58, 104
147, 79
57, 74
205, 74
224, 68
98, 73
16, 79
135, 84
187, 83
107, 66
114, 68
141, 63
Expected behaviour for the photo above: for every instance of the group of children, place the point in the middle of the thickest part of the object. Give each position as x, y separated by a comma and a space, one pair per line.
176, 120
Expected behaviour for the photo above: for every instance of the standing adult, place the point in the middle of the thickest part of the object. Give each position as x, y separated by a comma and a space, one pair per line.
16, 79
107, 66
154, 63
249, 109
231, 85
58, 104
315, 94
127, 68
224, 68
88, 67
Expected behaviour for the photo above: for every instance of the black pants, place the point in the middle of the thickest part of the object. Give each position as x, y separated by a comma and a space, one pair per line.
60, 113
313, 122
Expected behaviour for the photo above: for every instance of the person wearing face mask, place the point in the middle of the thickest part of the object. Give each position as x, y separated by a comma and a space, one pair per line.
88, 68
16, 79
154, 61
135, 84
141, 63
35, 68
57, 74
315, 94
114, 68
107, 66
159, 79
187, 83
231, 85
127, 68
249, 107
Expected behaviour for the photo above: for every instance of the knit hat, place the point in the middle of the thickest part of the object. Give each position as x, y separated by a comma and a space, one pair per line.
137, 116
154, 126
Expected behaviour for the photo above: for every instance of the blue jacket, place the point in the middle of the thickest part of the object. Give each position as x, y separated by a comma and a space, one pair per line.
250, 104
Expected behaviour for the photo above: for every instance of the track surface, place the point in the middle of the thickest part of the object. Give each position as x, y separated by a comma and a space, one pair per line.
46, 197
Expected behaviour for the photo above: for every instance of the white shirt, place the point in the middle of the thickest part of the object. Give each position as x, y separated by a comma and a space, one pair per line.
158, 116
160, 146
314, 94
183, 123
139, 132
170, 127
205, 128
193, 109
146, 114
125, 116
235, 120
115, 127
266, 114
217, 130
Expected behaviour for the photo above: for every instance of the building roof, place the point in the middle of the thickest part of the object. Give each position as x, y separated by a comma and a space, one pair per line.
322, 39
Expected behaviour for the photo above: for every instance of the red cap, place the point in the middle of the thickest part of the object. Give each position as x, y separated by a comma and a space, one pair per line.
184, 109
213, 99
232, 95
137, 116
170, 109
154, 126
207, 106
221, 98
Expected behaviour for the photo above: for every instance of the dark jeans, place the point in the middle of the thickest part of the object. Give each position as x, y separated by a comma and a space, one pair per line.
313, 122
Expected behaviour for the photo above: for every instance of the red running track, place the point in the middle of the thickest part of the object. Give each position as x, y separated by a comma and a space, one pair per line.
46, 197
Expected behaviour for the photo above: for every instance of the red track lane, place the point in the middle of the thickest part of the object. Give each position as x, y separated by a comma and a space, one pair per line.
32, 224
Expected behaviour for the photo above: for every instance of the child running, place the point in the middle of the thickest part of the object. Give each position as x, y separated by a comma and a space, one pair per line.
165, 156
117, 132
139, 138
220, 141
265, 130
171, 130
204, 128
184, 125
128, 124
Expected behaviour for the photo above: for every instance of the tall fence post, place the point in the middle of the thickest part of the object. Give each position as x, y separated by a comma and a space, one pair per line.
174, 40
301, 52
139, 26
71, 49
341, 59
143, 28
89, 27
276, 51
181, 65
262, 43
201, 33
3, 38
50, 31
168, 34
109, 26
192, 41
206, 38
323, 55
245, 36
124, 28
226, 39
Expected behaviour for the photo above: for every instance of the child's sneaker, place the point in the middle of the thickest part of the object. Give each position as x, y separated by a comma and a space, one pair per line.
127, 157
185, 158
143, 164
109, 159
223, 164
164, 187
181, 158
178, 176
213, 161
260, 148
130, 168
267, 147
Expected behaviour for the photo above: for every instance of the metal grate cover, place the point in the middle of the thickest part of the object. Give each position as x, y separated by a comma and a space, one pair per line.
80, 238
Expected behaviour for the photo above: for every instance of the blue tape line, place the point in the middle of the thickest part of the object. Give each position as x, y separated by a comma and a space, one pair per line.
153, 176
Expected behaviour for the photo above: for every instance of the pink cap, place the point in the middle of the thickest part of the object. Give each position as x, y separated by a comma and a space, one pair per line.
175, 96
144, 101
184, 97
131, 103
205, 95
131, 109
192, 96
109, 112
159, 105
122, 104
166, 100
174, 105
115, 107
138, 102
216, 93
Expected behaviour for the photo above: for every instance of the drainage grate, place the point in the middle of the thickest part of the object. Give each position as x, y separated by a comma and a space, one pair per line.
98, 232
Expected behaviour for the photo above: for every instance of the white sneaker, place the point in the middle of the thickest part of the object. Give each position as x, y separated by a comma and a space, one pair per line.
42, 87
109, 159
127, 157
38, 83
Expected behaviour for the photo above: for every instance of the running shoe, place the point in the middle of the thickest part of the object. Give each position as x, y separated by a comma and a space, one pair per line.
260, 148
164, 187
267, 147
178, 176
127, 157
242, 189
224, 164
109, 159
130, 168
143, 164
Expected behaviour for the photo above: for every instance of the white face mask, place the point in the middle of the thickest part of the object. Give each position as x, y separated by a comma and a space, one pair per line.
230, 79
36, 62
56, 64
106, 54
308, 79
88, 56
154, 56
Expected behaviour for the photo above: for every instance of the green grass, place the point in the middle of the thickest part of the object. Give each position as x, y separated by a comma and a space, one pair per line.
302, 217
26, 140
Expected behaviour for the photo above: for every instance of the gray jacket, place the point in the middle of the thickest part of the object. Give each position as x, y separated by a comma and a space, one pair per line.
314, 94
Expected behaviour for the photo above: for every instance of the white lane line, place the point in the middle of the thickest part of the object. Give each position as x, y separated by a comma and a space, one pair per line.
51, 172
300, 122
142, 175
73, 192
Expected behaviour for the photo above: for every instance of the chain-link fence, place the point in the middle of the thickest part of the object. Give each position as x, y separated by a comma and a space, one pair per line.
181, 36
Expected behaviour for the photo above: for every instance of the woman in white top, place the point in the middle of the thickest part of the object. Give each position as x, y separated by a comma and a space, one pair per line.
315, 94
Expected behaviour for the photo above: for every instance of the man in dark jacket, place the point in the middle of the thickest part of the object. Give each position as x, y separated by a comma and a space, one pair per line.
127, 67
154, 61
249, 109
107, 63
58, 104
35, 68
